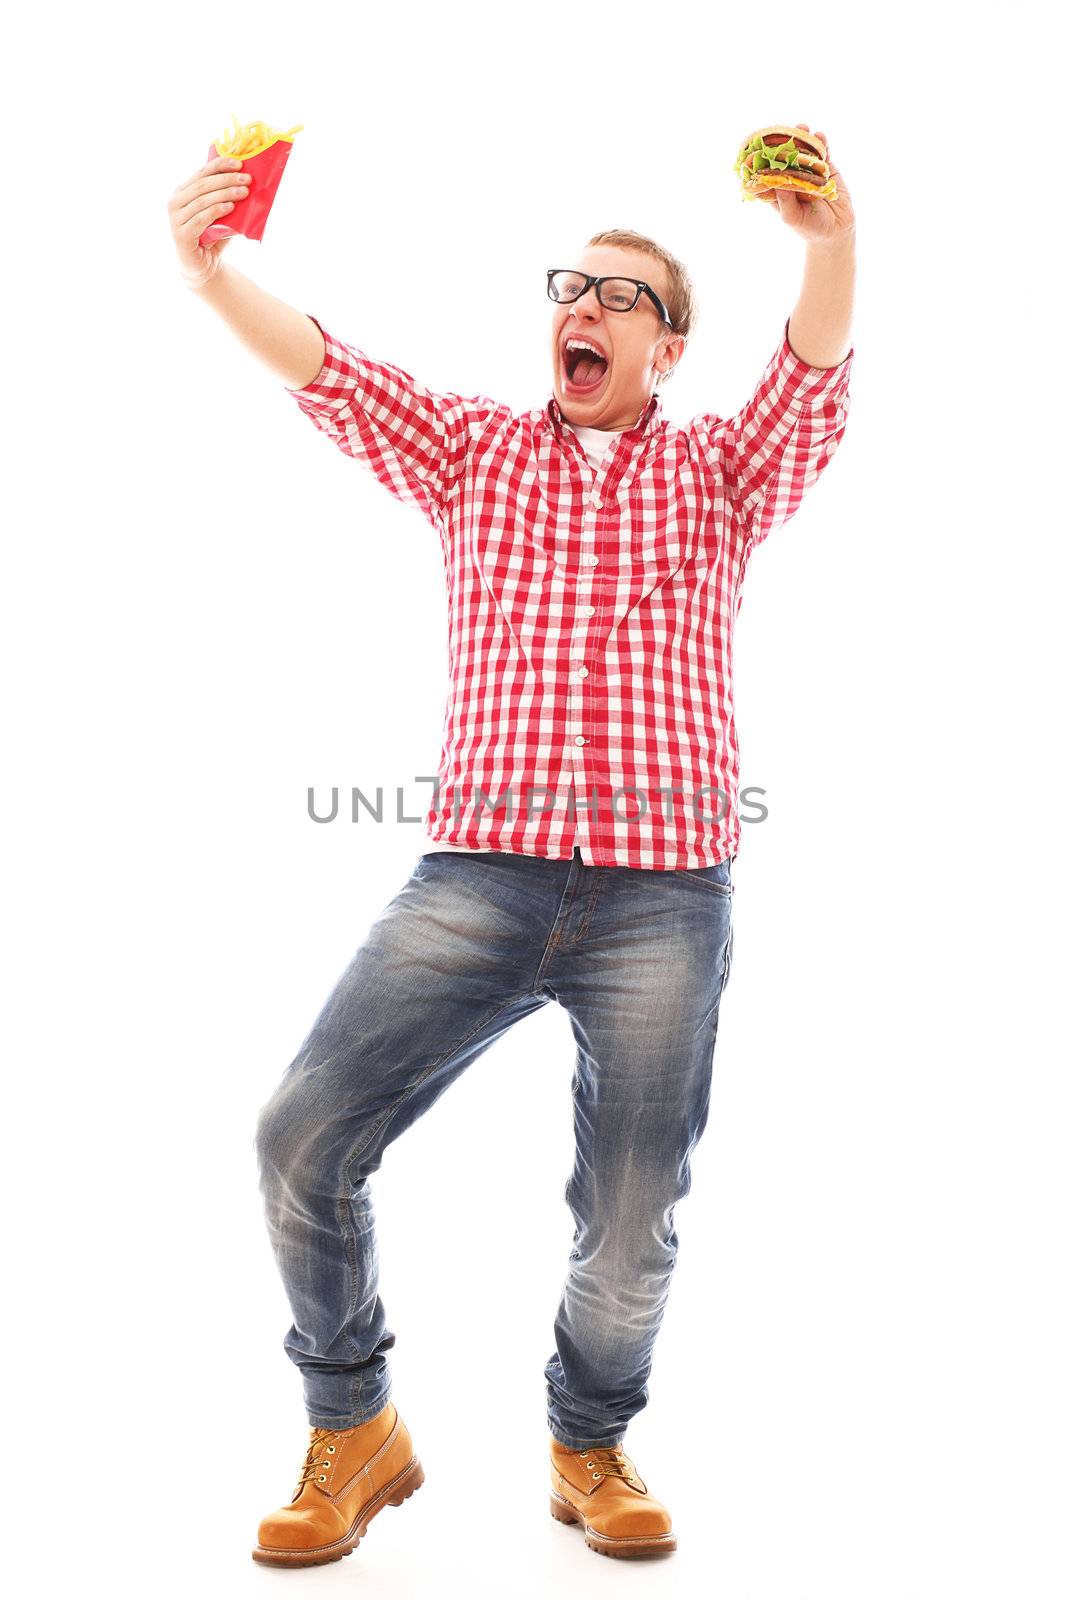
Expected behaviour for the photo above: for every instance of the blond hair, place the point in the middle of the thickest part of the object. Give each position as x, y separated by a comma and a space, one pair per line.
680, 298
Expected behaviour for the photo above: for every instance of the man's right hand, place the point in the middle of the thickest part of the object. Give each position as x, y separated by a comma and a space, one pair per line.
208, 195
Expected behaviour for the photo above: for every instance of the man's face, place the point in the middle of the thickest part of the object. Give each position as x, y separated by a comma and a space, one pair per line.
638, 344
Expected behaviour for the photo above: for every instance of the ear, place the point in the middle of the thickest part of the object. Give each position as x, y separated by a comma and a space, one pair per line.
671, 342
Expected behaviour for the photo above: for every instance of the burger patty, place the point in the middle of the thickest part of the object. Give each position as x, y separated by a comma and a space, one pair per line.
803, 173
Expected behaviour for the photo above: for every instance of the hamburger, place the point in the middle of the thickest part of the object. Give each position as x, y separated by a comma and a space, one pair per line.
784, 158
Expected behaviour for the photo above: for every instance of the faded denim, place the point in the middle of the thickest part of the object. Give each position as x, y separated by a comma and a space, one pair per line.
638, 959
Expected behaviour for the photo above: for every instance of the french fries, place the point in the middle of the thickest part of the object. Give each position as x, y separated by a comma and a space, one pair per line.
250, 138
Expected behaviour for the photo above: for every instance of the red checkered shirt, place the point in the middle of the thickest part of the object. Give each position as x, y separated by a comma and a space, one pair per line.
590, 612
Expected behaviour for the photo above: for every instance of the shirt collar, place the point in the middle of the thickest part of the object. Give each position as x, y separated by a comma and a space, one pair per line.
651, 417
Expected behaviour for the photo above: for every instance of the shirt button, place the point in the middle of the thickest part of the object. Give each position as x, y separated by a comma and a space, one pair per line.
579, 740
592, 560
596, 500
583, 672
586, 611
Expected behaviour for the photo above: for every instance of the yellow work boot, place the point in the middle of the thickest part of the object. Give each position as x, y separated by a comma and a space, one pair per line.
601, 1489
347, 1477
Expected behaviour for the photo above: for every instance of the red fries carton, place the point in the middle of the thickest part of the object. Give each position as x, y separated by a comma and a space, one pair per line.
264, 166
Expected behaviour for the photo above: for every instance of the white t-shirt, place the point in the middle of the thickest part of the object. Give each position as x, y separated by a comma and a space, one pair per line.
596, 442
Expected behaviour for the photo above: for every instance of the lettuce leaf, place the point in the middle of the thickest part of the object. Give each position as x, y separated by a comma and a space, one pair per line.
779, 157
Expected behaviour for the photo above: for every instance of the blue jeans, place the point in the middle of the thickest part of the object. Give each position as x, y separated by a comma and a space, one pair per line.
638, 958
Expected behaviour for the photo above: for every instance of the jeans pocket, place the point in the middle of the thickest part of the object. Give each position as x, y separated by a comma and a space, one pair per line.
716, 878
728, 956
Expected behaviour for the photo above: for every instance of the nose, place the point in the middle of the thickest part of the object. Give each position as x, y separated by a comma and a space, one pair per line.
591, 307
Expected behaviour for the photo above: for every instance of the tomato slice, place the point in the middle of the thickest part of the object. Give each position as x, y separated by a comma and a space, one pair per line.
800, 142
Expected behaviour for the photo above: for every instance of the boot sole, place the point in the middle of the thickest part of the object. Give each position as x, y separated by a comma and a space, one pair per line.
605, 1544
394, 1493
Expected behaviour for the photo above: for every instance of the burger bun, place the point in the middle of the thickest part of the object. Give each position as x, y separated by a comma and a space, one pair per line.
810, 176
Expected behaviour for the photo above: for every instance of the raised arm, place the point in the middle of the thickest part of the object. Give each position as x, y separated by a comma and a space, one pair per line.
285, 339
414, 441
417, 443
780, 441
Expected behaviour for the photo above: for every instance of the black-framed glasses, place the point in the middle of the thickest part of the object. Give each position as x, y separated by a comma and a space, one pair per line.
615, 294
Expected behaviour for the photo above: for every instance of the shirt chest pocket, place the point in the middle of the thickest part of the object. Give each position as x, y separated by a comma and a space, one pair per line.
656, 552
662, 531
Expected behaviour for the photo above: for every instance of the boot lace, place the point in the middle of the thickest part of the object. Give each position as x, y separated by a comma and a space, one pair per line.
319, 1458
608, 1461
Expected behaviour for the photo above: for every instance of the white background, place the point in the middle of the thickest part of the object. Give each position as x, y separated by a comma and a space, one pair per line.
858, 1388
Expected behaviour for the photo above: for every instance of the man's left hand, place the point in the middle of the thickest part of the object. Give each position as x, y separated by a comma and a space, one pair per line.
817, 220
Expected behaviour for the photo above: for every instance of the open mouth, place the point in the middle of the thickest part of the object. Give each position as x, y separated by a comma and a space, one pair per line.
583, 371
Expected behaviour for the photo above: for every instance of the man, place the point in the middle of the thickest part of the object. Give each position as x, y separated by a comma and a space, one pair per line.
595, 554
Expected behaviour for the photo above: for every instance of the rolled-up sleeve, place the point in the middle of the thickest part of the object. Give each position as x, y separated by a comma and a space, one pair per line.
415, 442
781, 440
